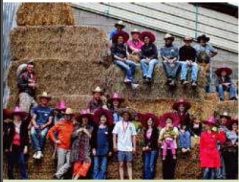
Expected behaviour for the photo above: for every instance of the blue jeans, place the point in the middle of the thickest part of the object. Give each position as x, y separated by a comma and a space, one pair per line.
100, 166
38, 138
128, 66
209, 173
184, 71
231, 90
221, 171
147, 67
172, 72
149, 164
16, 155
184, 140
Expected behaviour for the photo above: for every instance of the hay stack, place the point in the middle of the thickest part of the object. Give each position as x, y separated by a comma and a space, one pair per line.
44, 14
113, 82
71, 43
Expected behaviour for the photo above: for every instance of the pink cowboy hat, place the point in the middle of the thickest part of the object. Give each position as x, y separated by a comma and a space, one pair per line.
61, 105
211, 121
18, 111
116, 96
84, 113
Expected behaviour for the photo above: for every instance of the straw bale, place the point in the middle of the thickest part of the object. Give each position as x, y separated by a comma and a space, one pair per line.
229, 106
44, 14
113, 81
72, 43
213, 96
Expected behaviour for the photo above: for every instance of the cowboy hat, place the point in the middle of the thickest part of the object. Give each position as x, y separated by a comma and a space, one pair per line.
232, 121
97, 90
116, 96
61, 105
173, 116
123, 34
168, 36
120, 23
211, 121
128, 110
45, 95
99, 112
68, 111
148, 34
18, 111
143, 118
135, 31
180, 101
84, 113
7, 113
187, 38
224, 68
203, 37
226, 115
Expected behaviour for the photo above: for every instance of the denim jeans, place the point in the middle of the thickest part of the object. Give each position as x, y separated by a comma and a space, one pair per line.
38, 138
100, 166
149, 164
221, 171
184, 71
16, 155
147, 67
128, 66
63, 161
172, 72
209, 173
184, 140
231, 90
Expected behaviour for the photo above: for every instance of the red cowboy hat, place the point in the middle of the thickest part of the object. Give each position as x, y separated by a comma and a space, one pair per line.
7, 113
231, 122
174, 116
99, 112
221, 69
116, 96
148, 34
180, 101
18, 111
211, 120
123, 34
143, 118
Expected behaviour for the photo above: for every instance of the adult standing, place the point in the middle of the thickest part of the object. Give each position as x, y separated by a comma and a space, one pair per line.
96, 102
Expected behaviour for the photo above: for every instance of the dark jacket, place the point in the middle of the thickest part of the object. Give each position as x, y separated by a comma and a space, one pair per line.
118, 50
195, 131
152, 142
184, 119
187, 53
219, 81
149, 51
24, 139
109, 137
22, 84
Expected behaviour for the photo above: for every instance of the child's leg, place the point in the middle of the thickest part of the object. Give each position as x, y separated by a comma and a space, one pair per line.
129, 158
171, 145
121, 159
165, 146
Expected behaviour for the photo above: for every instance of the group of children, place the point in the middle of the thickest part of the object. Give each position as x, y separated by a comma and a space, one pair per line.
84, 141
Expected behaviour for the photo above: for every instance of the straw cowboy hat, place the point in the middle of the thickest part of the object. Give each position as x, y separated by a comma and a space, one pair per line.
180, 101
120, 23
224, 68
117, 97
123, 34
187, 38
211, 121
203, 37
226, 115
173, 116
135, 31
97, 90
168, 36
132, 113
61, 105
148, 34
143, 118
45, 95
99, 112
68, 111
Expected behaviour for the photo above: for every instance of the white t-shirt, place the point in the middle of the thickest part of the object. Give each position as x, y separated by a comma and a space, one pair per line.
124, 131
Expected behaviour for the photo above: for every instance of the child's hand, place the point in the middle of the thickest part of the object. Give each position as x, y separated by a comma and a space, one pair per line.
93, 151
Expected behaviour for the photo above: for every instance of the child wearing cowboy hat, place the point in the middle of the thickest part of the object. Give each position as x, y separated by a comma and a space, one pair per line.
64, 129
17, 142
224, 83
41, 120
101, 142
124, 141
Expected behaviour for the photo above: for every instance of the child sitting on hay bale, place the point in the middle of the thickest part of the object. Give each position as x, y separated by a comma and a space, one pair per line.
224, 83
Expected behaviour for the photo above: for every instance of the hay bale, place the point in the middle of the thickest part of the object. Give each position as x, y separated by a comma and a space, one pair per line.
72, 43
113, 82
44, 14
229, 106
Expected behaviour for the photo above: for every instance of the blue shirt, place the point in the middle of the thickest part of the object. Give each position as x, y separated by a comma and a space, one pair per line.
207, 48
169, 52
42, 114
102, 141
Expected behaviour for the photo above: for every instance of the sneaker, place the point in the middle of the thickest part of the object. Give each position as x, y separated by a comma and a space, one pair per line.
35, 155
184, 150
172, 83
184, 82
126, 80
41, 154
38, 155
194, 84
144, 77
148, 79
134, 85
